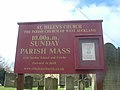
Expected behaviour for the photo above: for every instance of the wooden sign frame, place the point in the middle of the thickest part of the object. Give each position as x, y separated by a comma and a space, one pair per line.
61, 50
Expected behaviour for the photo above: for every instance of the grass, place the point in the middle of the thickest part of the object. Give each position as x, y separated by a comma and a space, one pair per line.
6, 88
9, 88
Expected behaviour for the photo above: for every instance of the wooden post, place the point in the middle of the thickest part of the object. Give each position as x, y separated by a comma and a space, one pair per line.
99, 79
20, 82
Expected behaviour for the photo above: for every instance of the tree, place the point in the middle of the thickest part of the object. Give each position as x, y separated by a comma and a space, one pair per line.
2, 62
5, 65
2, 76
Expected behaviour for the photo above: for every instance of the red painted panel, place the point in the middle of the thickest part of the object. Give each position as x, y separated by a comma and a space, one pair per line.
53, 47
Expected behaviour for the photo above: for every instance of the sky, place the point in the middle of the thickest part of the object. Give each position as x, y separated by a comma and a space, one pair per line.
14, 11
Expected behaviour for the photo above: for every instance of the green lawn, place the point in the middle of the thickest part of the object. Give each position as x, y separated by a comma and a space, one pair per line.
5, 88
8, 88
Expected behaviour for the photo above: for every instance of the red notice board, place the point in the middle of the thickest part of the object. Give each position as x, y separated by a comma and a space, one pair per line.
63, 47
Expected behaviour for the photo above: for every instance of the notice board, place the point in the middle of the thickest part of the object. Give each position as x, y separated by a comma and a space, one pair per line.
62, 47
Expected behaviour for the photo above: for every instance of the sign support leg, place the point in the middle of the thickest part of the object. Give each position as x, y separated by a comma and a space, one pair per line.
99, 78
20, 82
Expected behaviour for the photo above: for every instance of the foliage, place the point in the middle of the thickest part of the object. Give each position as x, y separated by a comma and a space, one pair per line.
2, 76
2, 62
5, 65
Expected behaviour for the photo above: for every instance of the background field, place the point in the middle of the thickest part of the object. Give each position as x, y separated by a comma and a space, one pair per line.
7, 88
